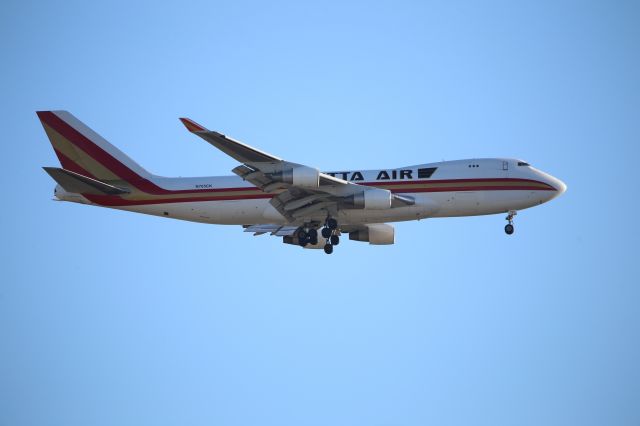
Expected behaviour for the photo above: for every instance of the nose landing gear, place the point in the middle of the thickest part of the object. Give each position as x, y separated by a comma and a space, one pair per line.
509, 227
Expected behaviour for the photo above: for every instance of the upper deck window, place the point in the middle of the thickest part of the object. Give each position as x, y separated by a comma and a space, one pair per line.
522, 163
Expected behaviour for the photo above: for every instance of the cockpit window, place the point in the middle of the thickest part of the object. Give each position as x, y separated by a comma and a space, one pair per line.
522, 163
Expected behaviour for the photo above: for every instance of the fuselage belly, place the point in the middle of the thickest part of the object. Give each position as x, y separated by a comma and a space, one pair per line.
441, 204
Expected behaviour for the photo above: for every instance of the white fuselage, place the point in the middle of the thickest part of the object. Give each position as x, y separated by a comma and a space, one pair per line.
456, 188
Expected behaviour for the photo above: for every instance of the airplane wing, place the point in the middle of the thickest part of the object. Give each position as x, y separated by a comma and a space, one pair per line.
300, 191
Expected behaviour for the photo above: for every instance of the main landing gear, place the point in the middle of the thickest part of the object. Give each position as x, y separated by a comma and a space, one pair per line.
330, 232
509, 227
307, 237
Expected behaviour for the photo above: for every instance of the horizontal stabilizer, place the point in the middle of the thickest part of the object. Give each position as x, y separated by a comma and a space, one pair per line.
75, 182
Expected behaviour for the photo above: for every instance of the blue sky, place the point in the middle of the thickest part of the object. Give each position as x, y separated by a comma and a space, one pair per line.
108, 317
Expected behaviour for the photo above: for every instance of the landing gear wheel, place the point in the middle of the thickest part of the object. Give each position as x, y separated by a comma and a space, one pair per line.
328, 248
312, 236
332, 223
326, 232
335, 240
303, 238
509, 227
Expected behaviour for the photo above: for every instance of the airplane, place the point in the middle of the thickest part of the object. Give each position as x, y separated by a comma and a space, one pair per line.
299, 203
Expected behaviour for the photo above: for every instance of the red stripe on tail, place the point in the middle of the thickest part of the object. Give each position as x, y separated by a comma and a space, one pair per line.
99, 154
69, 164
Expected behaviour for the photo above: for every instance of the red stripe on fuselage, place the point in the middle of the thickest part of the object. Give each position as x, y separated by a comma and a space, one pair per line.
111, 201
475, 188
417, 182
114, 201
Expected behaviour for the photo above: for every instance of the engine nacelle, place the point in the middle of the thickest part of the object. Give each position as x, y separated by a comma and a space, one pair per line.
377, 234
373, 199
303, 176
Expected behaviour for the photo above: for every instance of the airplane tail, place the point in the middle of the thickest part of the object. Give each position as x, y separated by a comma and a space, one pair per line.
84, 152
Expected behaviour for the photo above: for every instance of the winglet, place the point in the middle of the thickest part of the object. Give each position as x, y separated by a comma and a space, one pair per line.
192, 126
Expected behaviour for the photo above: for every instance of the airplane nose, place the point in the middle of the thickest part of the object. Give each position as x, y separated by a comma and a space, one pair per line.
559, 185
562, 187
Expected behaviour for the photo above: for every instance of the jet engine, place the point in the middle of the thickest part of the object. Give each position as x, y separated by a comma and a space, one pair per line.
377, 234
374, 199
302, 176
